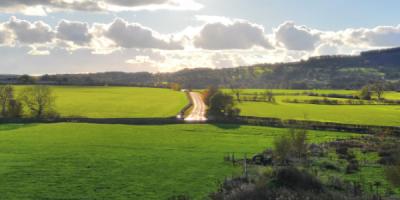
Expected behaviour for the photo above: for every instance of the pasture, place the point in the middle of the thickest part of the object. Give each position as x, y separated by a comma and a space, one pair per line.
381, 115
87, 161
117, 102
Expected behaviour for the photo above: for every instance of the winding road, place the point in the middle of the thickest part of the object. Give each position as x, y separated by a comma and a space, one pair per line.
198, 113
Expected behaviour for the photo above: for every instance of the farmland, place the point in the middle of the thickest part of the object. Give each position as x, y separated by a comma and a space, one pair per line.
87, 161
382, 115
117, 102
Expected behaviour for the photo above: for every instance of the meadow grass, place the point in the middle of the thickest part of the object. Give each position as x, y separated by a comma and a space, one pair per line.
87, 161
392, 95
381, 115
117, 102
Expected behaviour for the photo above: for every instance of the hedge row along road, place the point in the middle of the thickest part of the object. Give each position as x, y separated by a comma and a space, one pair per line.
198, 113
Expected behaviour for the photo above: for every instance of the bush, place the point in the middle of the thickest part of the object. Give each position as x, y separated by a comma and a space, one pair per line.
329, 166
393, 174
292, 145
295, 179
352, 167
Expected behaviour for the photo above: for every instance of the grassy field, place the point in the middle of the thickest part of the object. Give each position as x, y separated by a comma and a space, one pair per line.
117, 102
382, 115
87, 161
388, 95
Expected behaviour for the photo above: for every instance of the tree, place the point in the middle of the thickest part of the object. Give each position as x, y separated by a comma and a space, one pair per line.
365, 93
268, 96
222, 105
209, 93
379, 90
175, 86
26, 79
39, 100
237, 92
282, 149
292, 145
6, 95
299, 142
15, 109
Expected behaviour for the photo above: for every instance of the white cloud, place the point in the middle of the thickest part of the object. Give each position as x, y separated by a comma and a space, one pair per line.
234, 35
42, 7
132, 35
297, 38
126, 46
30, 33
380, 36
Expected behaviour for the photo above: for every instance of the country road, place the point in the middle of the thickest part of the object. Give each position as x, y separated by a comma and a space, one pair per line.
199, 108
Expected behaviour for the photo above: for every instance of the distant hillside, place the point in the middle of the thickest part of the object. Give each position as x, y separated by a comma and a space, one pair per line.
335, 72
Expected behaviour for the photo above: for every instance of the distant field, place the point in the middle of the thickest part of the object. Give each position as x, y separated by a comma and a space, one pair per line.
352, 114
118, 102
383, 115
388, 95
86, 161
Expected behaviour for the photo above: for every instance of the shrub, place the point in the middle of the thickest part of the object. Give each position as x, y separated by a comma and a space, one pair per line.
295, 179
329, 166
352, 167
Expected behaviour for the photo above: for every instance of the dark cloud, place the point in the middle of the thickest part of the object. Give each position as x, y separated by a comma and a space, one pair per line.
76, 32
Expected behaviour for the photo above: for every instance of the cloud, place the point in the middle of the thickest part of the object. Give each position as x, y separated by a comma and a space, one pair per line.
75, 32
137, 2
30, 33
297, 38
3, 36
235, 35
132, 35
380, 36
42, 7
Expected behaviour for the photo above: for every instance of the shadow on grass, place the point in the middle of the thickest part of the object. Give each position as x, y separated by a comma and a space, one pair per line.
10, 127
226, 126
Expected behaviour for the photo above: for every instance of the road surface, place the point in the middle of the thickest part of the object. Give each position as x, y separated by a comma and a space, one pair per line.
198, 112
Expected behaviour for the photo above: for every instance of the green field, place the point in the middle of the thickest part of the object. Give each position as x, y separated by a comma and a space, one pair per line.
117, 102
282, 92
87, 161
382, 115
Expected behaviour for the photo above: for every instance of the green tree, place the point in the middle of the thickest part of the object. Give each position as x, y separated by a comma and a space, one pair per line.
237, 92
26, 79
393, 175
379, 90
209, 93
175, 86
39, 100
282, 149
6, 95
222, 105
365, 93
292, 145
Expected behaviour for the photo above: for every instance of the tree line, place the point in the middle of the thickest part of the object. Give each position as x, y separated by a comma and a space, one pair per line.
37, 100
326, 72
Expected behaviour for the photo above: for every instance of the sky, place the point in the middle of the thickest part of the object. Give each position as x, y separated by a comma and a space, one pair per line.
85, 36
